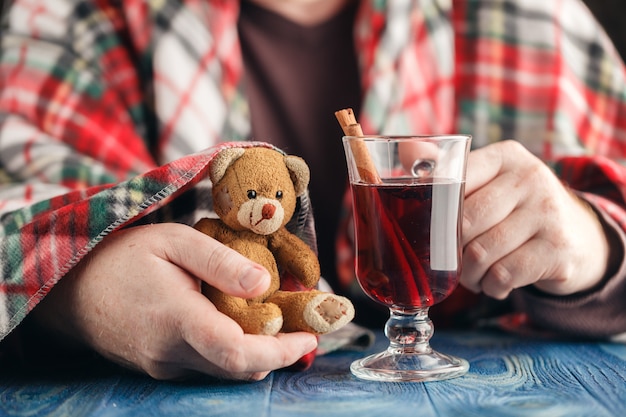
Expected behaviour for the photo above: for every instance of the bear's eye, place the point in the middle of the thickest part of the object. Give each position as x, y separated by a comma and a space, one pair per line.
279, 194
251, 194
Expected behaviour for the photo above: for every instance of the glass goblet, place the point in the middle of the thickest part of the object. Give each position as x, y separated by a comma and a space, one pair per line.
407, 194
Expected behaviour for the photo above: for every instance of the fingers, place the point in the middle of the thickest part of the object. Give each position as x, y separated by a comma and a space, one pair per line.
224, 350
488, 206
494, 259
485, 164
506, 185
161, 323
516, 270
214, 263
522, 227
218, 345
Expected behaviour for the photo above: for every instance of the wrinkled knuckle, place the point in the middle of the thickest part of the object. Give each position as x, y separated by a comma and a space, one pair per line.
174, 250
212, 262
475, 252
474, 212
548, 205
161, 370
217, 260
557, 241
515, 151
564, 271
511, 146
468, 222
501, 276
285, 358
159, 374
534, 172
562, 241
233, 360
256, 376
531, 171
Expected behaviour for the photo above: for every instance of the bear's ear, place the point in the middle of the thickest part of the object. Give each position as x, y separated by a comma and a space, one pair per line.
222, 161
299, 172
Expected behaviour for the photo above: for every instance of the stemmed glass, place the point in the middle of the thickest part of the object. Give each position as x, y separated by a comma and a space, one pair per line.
408, 196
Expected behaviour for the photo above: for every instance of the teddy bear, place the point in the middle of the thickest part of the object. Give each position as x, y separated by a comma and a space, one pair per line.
255, 193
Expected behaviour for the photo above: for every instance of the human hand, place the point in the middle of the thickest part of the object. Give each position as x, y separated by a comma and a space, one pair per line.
136, 300
521, 226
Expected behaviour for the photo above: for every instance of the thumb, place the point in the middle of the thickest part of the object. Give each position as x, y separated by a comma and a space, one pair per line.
216, 264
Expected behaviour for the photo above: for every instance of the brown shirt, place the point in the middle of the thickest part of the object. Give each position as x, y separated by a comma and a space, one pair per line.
296, 78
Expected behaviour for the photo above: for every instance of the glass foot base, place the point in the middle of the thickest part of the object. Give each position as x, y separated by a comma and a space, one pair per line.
395, 366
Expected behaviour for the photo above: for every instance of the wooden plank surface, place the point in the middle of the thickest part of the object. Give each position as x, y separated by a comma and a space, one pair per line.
509, 376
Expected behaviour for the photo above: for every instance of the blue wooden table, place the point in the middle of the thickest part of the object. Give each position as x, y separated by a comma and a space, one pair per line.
509, 376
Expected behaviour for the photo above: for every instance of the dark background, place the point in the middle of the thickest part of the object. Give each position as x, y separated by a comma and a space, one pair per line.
612, 15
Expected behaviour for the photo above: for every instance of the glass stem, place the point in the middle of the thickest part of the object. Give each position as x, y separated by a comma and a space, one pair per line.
409, 331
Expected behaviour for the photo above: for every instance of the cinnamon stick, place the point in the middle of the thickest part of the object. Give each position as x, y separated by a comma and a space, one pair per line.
416, 282
365, 165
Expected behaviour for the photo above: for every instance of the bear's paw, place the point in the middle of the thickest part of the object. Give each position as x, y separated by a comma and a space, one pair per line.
328, 312
272, 326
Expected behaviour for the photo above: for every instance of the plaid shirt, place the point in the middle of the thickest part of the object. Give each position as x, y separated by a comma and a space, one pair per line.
106, 107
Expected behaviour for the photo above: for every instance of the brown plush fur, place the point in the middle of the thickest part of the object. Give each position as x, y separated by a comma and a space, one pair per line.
254, 193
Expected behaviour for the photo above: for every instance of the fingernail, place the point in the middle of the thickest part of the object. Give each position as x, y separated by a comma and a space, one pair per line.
252, 277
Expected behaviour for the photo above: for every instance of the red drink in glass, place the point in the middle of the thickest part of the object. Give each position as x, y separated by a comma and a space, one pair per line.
408, 196
408, 240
